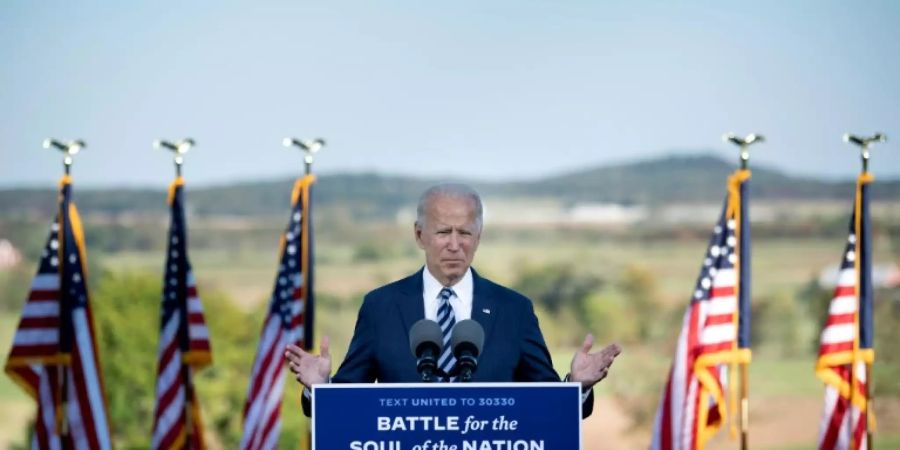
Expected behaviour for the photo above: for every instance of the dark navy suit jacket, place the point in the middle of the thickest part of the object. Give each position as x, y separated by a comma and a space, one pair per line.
514, 348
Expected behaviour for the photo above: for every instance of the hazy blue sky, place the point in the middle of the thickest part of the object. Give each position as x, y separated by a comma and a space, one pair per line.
490, 89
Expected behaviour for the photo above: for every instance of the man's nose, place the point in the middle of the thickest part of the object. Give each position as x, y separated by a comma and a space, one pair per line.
453, 244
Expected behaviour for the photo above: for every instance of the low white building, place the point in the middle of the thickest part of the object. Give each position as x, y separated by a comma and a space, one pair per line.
9, 256
883, 276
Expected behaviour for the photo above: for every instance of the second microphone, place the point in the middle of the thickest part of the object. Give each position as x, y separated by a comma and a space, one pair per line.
426, 344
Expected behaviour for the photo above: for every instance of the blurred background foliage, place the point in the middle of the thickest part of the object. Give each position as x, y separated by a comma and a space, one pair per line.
622, 282
628, 307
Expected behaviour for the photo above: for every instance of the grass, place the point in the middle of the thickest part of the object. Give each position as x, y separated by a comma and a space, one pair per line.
9, 391
772, 377
886, 442
245, 275
779, 265
15, 406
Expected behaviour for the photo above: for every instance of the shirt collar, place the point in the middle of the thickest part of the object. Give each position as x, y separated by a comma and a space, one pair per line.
432, 287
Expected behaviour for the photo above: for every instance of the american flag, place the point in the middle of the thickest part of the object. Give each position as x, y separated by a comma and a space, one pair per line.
289, 321
183, 342
54, 353
846, 343
714, 334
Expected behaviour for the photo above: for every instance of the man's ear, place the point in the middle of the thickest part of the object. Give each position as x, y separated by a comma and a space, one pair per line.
417, 230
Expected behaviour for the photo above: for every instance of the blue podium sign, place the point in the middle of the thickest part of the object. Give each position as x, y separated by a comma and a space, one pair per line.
447, 416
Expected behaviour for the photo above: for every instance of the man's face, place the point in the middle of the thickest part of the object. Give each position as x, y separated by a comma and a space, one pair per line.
449, 236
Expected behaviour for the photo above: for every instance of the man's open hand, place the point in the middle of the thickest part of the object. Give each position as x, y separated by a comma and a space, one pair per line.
309, 369
589, 368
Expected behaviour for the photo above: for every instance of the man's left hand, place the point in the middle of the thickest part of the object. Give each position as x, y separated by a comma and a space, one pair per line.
589, 368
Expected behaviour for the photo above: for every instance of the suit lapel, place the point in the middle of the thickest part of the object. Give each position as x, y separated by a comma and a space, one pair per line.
484, 305
412, 307
410, 303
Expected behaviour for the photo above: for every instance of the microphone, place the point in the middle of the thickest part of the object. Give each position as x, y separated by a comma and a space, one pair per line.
466, 341
426, 343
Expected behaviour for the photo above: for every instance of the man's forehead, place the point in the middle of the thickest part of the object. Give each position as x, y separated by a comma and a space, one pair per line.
446, 200
454, 218
458, 217
453, 212
443, 210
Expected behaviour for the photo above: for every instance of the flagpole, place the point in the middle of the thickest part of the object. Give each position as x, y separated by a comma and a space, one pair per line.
863, 143
310, 147
69, 150
179, 148
744, 144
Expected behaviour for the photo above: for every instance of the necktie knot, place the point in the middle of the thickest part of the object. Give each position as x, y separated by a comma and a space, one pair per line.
446, 294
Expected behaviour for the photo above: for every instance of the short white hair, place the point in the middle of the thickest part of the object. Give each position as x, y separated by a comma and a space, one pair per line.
456, 190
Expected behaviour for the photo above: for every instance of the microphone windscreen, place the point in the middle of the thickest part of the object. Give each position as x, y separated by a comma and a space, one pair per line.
425, 331
467, 331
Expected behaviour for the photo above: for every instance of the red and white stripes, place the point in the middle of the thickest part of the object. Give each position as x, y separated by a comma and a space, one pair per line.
286, 323
843, 424
184, 344
54, 350
262, 418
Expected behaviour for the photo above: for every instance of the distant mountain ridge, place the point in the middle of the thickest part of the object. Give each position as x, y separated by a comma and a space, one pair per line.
692, 179
683, 179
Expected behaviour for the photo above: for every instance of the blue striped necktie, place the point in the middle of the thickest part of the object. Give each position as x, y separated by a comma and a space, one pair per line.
446, 318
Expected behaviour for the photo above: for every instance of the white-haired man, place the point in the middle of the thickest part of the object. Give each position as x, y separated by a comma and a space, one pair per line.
448, 228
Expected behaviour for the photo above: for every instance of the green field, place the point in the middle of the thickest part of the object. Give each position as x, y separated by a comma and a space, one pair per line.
779, 264
785, 395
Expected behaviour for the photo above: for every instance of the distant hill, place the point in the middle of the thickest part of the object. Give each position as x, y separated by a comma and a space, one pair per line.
692, 179
688, 179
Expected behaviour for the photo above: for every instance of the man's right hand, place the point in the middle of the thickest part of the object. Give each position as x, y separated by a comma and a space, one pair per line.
309, 369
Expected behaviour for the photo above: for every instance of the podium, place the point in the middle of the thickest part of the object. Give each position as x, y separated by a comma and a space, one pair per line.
447, 416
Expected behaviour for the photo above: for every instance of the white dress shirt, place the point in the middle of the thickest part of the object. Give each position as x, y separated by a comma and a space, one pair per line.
461, 302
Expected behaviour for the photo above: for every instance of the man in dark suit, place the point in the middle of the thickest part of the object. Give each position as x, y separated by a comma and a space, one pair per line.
447, 290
